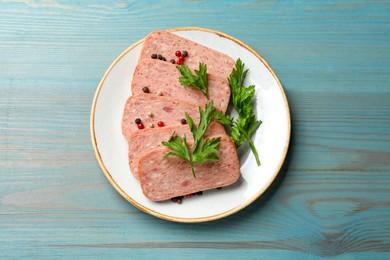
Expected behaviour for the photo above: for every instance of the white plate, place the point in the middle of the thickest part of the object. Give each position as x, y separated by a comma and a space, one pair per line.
271, 139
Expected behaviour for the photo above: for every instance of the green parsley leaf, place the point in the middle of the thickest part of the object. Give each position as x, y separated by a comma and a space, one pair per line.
197, 81
242, 99
223, 119
179, 147
205, 118
206, 150
203, 150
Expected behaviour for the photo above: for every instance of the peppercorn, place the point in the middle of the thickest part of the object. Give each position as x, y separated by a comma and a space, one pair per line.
145, 89
151, 125
140, 126
138, 120
178, 199
154, 56
179, 62
183, 121
159, 57
172, 61
159, 93
160, 123
178, 53
184, 54
164, 59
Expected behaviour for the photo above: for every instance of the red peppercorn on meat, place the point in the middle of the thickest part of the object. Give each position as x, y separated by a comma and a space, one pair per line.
157, 75
152, 109
167, 43
144, 141
164, 179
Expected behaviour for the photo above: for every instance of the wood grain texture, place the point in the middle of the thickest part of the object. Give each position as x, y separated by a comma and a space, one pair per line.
332, 198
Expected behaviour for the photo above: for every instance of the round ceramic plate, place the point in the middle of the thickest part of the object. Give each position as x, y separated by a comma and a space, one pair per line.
271, 139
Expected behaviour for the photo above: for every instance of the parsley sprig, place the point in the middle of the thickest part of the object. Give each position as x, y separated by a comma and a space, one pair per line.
197, 81
242, 99
203, 150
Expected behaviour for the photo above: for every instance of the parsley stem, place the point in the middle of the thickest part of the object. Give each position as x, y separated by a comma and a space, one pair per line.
252, 145
254, 151
192, 168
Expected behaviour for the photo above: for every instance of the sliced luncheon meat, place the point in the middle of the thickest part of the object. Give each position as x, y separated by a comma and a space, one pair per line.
155, 75
154, 111
162, 179
148, 139
166, 44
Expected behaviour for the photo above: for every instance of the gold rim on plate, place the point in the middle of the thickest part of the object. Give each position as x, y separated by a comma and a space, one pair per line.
160, 215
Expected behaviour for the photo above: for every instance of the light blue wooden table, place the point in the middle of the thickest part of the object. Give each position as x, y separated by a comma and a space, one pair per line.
332, 197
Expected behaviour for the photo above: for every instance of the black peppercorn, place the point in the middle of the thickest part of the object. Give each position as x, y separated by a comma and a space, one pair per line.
183, 121
184, 54
154, 56
172, 61
163, 59
159, 57
178, 199
138, 120
145, 89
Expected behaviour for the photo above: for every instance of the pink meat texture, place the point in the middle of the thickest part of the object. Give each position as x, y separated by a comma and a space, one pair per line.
167, 110
167, 43
146, 140
164, 179
163, 76
167, 101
